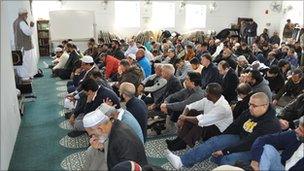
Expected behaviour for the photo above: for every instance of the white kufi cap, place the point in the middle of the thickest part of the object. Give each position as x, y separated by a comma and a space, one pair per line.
87, 59
58, 49
93, 118
22, 11
132, 56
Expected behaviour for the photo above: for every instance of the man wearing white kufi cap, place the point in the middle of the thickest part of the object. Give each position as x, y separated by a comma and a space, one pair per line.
123, 144
22, 37
124, 116
58, 52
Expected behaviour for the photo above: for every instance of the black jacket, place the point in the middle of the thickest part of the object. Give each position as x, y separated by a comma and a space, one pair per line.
210, 74
241, 106
86, 75
247, 53
139, 110
229, 85
117, 53
275, 40
102, 94
249, 128
230, 60
251, 29
276, 83
291, 89
73, 57
124, 145
293, 110
133, 75
173, 85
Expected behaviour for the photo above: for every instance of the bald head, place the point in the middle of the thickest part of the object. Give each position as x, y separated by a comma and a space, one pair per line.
127, 89
262, 97
258, 104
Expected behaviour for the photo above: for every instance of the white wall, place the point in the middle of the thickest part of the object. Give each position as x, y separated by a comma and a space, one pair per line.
10, 117
277, 20
226, 13
257, 12
104, 14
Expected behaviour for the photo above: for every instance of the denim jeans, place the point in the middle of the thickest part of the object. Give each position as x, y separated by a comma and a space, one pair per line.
270, 159
204, 151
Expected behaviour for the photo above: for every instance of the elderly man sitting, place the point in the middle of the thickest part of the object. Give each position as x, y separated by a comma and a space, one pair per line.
235, 142
153, 85
124, 116
134, 105
116, 136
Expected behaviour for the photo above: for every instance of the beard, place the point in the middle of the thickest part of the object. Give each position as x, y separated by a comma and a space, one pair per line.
103, 138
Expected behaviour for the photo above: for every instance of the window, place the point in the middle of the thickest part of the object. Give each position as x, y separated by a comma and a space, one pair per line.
195, 16
41, 9
127, 14
163, 15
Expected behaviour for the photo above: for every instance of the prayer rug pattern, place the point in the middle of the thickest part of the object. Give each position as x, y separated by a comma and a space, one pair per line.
81, 141
61, 88
66, 125
61, 103
61, 83
205, 165
62, 94
62, 112
74, 161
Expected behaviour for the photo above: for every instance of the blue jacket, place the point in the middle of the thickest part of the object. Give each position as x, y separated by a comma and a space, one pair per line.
146, 66
286, 141
292, 60
129, 119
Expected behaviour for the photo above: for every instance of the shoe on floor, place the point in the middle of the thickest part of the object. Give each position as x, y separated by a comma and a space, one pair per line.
180, 145
74, 134
175, 160
174, 141
67, 115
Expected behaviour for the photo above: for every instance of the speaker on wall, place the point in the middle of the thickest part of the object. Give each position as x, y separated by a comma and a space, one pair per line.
17, 57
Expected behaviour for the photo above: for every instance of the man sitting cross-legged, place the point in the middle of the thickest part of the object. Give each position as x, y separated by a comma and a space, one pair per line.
204, 118
235, 142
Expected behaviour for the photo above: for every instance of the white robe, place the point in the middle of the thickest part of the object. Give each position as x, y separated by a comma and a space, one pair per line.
29, 66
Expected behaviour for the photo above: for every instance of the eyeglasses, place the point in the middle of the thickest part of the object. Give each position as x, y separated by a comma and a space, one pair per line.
255, 106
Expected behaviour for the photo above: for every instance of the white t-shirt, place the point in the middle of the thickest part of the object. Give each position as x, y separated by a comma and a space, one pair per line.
218, 113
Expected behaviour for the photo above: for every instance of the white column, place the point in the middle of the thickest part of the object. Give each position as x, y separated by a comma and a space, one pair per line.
10, 117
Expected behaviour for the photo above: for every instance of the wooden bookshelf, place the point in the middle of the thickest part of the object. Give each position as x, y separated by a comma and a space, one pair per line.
43, 37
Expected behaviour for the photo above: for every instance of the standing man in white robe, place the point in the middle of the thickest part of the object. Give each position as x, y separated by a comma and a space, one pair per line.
23, 41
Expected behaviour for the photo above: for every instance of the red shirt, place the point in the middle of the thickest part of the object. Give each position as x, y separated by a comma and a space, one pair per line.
112, 64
